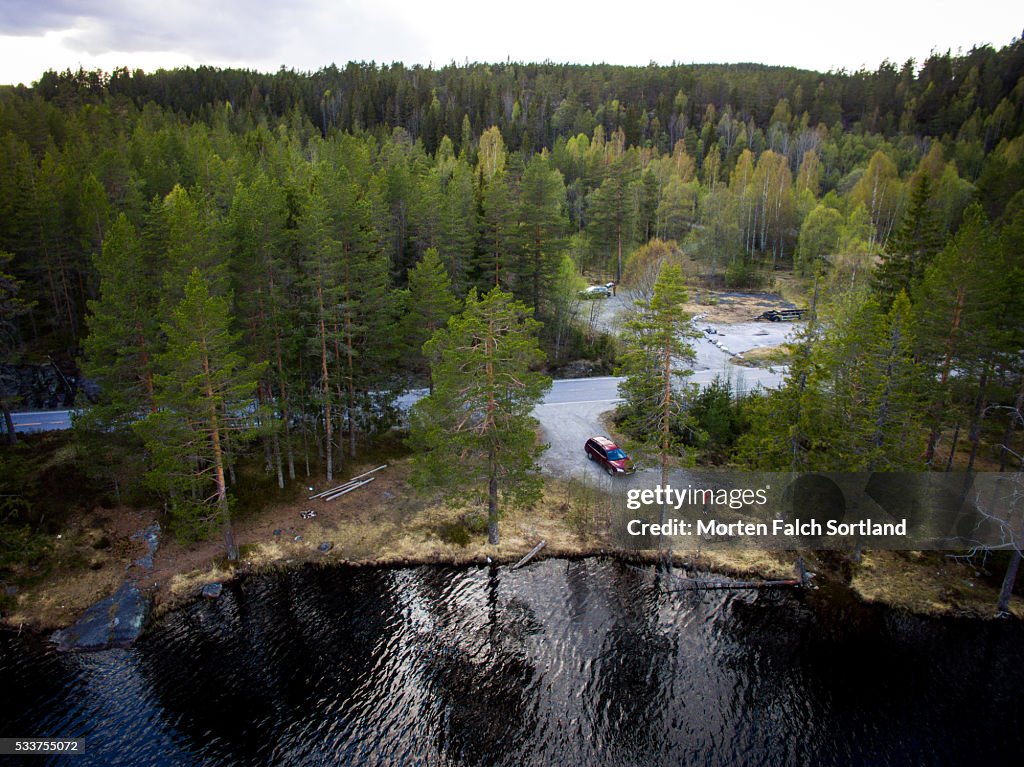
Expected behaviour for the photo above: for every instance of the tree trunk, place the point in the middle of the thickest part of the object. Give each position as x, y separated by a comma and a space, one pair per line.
1006, 591
1017, 414
276, 445
952, 449
618, 263
325, 389
147, 369
492, 503
282, 383
933, 437
218, 465
795, 439
12, 437
666, 417
492, 457
975, 429
351, 388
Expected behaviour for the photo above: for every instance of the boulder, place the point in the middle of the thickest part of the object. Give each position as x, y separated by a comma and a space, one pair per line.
151, 536
38, 386
116, 621
212, 590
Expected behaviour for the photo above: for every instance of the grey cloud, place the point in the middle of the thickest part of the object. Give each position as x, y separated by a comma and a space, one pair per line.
35, 17
301, 33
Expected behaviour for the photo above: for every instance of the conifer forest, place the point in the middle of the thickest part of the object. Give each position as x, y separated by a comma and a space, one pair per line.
252, 266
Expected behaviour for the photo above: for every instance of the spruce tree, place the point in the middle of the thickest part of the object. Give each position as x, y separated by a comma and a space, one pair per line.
541, 230
497, 234
320, 254
262, 278
12, 306
911, 249
428, 303
120, 357
124, 336
958, 307
459, 227
611, 219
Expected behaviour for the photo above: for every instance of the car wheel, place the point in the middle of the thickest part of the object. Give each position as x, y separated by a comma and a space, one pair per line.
610, 470
589, 456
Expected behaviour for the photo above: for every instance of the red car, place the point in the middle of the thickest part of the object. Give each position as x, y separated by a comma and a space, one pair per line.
612, 457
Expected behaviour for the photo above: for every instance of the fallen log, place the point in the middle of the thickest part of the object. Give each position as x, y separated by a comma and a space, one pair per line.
530, 555
803, 580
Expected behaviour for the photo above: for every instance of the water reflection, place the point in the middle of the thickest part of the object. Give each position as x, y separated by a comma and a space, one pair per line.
582, 662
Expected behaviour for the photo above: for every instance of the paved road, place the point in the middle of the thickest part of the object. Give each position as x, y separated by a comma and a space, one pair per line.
28, 422
571, 413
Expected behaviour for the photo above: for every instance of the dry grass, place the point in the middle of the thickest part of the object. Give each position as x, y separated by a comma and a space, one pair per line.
766, 356
188, 584
63, 596
926, 582
388, 523
746, 563
727, 307
84, 570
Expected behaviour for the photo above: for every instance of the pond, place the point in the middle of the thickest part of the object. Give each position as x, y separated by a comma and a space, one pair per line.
587, 662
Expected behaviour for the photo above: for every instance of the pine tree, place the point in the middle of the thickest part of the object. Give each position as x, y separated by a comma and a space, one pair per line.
205, 393
476, 430
654, 393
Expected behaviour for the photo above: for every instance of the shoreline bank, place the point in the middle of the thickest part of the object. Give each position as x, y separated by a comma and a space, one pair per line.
393, 526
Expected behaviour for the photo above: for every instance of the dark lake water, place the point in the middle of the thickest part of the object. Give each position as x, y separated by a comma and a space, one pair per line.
585, 662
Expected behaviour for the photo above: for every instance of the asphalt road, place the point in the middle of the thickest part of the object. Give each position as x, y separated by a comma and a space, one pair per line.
571, 414
28, 422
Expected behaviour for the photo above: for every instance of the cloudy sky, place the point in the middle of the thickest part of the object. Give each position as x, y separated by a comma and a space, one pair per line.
36, 35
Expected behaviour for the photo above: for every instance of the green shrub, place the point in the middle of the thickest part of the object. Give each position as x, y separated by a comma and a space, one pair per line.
742, 274
20, 547
454, 533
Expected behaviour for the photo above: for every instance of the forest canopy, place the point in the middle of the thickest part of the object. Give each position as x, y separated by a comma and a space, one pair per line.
314, 214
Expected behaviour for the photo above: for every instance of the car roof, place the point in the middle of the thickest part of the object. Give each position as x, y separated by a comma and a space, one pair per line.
604, 442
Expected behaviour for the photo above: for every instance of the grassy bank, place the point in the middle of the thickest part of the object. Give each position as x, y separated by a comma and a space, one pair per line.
387, 523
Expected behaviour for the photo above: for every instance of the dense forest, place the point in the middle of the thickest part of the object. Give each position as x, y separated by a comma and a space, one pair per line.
251, 263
